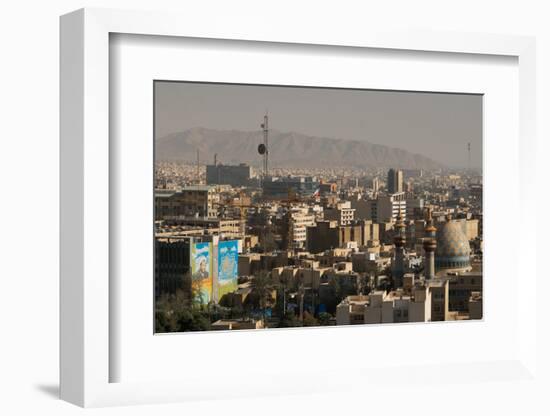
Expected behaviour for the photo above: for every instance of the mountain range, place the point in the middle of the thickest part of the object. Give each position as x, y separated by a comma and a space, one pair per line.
286, 149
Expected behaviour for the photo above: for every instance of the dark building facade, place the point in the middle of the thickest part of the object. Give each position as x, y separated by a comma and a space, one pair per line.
171, 264
234, 175
395, 181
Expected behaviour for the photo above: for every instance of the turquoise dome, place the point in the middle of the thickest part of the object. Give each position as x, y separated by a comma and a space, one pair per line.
453, 249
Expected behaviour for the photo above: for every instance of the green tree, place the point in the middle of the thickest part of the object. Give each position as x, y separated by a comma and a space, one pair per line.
324, 318
309, 320
262, 292
289, 320
176, 313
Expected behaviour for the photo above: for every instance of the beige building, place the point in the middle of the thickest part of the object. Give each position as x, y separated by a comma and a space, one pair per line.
421, 302
300, 219
351, 311
193, 201
236, 324
475, 306
439, 289
385, 208
326, 235
223, 227
343, 213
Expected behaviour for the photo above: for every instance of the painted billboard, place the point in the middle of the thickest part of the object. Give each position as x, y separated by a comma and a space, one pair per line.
201, 272
228, 266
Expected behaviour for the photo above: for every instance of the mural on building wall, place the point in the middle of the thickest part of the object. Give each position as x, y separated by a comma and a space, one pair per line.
201, 272
228, 261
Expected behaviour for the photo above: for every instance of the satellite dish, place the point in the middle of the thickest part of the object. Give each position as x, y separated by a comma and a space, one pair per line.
261, 149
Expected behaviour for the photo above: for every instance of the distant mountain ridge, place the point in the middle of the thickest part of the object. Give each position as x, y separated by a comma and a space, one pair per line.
286, 149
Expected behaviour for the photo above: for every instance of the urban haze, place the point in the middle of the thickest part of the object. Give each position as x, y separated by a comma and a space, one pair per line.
280, 207
434, 125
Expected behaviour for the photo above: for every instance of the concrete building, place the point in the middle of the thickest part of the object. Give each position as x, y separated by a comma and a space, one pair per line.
343, 213
171, 264
461, 288
281, 187
228, 228
386, 207
327, 235
395, 181
236, 324
323, 236
375, 185
351, 311
412, 173
369, 263
439, 289
415, 208
327, 188
249, 264
386, 307
475, 305
199, 201
299, 219
234, 175
309, 277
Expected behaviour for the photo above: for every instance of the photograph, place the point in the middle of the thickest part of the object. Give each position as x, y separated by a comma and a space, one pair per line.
296, 206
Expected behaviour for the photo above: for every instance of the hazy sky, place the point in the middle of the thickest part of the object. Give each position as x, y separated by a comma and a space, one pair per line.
438, 126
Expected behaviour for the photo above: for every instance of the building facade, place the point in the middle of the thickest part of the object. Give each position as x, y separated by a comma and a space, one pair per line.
193, 201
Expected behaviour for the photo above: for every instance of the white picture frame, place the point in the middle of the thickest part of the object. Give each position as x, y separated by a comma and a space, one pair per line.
86, 351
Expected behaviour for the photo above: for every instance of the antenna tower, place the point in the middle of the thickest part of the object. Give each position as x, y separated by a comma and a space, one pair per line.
469, 158
265, 128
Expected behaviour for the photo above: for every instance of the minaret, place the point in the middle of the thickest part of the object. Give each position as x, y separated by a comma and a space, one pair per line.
429, 246
399, 240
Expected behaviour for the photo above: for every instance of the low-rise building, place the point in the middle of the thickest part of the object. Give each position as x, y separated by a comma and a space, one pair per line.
192, 201
236, 324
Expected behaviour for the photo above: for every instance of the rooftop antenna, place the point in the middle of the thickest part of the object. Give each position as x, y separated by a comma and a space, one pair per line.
469, 158
265, 128
263, 148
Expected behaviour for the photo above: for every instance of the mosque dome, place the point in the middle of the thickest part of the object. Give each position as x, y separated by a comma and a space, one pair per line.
452, 253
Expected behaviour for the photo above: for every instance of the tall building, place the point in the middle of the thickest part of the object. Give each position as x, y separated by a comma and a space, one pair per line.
171, 264
343, 213
234, 175
395, 181
280, 187
385, 208
375, 184
300, 218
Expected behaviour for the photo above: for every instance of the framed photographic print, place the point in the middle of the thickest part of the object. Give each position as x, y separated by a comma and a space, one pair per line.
263, 222
290, 215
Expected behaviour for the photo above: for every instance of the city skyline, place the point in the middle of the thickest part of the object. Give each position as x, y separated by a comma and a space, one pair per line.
263, 229
436, 125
